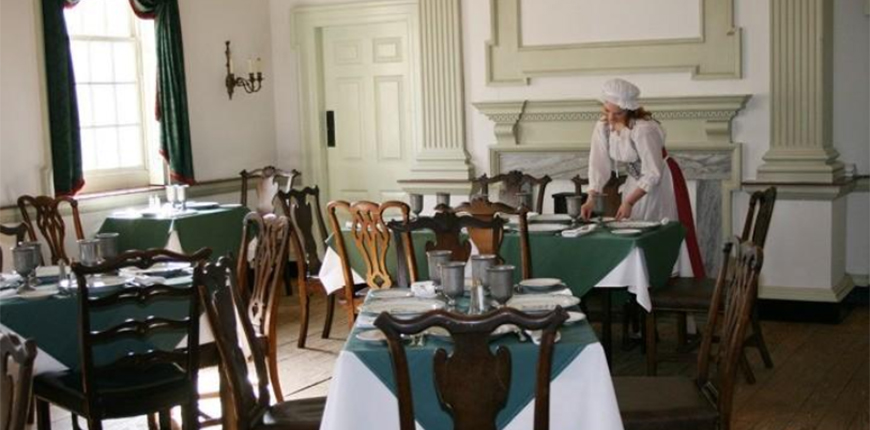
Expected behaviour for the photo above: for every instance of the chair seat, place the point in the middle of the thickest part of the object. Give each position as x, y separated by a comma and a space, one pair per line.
303, 414
118, 394
688, 294
663, 403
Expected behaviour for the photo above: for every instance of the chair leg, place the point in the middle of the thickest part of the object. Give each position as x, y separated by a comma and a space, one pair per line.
43, 416
330, 309
303, 317
152, 422
75, 422
759, 341
190, 415
747, 368
165, 420
273, 369
651, 364
95, 424
681, 328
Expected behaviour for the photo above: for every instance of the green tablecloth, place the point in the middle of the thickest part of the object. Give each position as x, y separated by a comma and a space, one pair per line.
524, 357
53, 324
218, 229
579, 262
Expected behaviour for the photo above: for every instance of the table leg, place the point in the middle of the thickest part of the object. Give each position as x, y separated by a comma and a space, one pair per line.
606, 333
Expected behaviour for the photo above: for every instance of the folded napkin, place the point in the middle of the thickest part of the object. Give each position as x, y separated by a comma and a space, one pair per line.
8, 292
425, 289
579, 231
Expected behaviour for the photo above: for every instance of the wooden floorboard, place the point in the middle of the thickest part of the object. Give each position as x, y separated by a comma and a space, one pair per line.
819, 381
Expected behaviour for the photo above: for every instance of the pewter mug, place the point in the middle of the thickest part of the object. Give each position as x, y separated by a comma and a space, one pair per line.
443, 198
501, 283
436, 259
453, 280
574, 203
108, 245
26, 260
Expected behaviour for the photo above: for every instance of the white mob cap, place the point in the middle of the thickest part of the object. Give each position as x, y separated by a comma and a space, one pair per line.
621, 93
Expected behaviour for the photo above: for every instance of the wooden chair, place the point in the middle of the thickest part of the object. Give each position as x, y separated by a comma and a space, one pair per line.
16, 371
246, 407
270, 180
447, 227
649, 403
135, 382
18, 231
272, 233
50, 222
472, 382
612, 196
488, 240
372, 238
306, 218
689, 295
513, 182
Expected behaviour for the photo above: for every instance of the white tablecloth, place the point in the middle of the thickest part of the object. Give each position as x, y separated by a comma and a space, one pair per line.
631, 272
582, 397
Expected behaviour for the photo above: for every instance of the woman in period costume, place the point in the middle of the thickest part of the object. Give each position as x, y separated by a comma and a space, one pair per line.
655, 188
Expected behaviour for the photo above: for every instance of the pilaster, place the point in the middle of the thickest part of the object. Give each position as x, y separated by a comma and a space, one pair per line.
801, 147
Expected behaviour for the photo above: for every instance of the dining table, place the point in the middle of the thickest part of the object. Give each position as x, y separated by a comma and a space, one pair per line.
599, 259
53, 320
363, 388
214, 226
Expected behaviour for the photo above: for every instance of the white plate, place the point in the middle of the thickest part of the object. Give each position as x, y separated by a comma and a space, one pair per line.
373, 335
633, 224
37, 294
574, 317
164, 267
540, 283
546, 228
407, 306
626, 232
108, 281
391, 293
541, 302
550, 218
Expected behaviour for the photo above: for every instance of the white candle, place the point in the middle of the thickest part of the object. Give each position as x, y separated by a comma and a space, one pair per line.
231, 67
259, 65
250, 66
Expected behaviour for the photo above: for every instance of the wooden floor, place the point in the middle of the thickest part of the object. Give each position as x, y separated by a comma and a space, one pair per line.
820, 379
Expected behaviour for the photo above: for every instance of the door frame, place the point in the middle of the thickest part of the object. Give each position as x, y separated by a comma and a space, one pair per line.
308, 23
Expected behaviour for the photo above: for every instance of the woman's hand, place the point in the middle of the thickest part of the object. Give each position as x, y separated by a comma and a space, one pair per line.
586, 209
624, 211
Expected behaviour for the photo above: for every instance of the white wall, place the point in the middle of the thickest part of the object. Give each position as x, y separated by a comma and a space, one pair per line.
21, 118
226, 135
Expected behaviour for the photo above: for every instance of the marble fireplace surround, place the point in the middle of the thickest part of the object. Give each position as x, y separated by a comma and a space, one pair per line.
553, 137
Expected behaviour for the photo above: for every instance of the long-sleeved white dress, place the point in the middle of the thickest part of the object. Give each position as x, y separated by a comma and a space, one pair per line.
640, 149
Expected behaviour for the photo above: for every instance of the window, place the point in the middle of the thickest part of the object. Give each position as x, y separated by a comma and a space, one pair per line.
115, 70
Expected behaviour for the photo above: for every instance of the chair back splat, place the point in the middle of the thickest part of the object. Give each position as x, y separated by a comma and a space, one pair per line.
487, 240
738, 292
472, 382
50, 222
270, 180
512, 183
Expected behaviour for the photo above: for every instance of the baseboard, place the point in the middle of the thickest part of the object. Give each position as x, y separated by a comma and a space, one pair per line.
814, 312
809, 294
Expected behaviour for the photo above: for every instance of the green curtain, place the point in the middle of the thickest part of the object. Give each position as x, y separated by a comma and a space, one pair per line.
171, 88
63, 112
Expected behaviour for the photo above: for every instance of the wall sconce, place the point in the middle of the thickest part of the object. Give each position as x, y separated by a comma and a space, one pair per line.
255, 75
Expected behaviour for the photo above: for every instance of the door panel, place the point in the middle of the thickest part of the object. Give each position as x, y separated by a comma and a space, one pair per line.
366, 75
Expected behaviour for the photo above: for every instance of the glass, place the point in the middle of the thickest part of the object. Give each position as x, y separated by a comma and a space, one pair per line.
435, 259
181, 195
574, 204
26, 259
416, 204
598, 210
89, 251
108, 245
453, 281
170, 195
443, 199
479, 265
525, 200
501, 283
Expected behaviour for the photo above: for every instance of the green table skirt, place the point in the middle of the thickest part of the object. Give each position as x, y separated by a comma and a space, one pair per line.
218, 229
580, 262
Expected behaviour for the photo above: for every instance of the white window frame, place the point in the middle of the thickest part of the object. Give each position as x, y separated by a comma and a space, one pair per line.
152, 170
